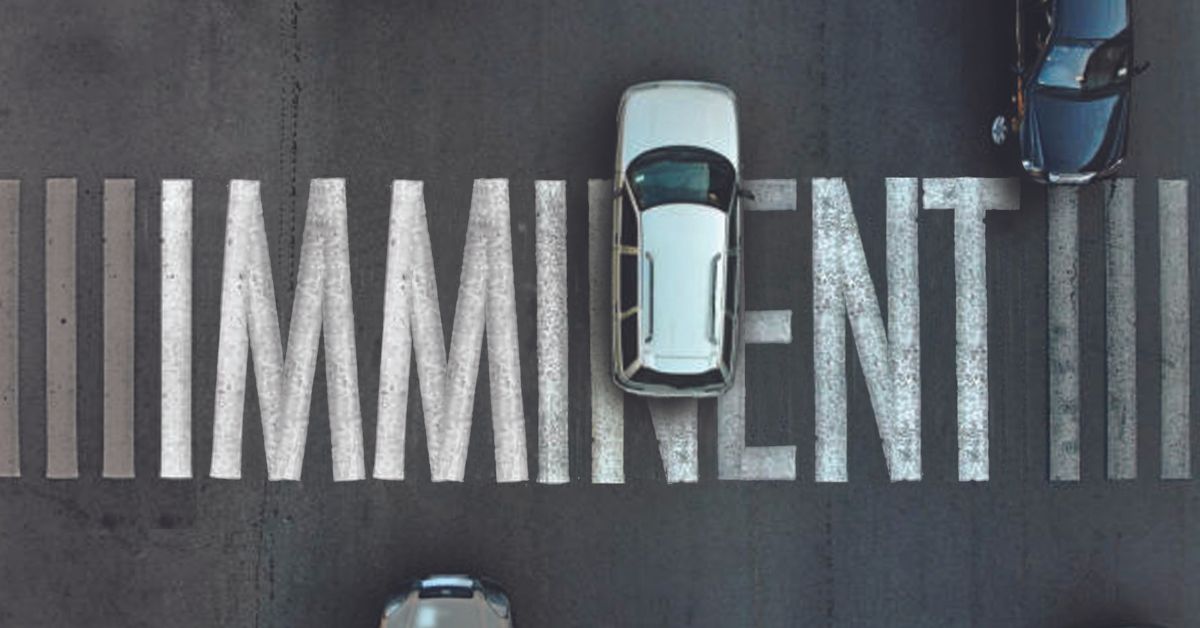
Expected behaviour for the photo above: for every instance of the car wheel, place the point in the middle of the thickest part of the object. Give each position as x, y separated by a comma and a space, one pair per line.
999, 130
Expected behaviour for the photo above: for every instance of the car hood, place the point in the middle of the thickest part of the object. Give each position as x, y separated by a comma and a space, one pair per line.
677, 113
1064, 134
681, 242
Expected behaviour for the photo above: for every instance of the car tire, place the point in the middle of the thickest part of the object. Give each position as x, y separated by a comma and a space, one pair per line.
999, 130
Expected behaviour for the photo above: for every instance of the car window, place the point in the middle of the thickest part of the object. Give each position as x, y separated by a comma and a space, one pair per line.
728, 344
629, 222
1085, 66
681, 175
731, 281
628, 276
629, 341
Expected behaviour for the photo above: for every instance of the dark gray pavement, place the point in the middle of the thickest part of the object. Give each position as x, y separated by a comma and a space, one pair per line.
448, 92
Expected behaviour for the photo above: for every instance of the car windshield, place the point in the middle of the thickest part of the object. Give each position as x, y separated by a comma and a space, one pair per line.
682, 175
1082, 65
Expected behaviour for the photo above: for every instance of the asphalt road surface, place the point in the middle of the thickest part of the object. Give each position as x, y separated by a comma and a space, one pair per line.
449, 92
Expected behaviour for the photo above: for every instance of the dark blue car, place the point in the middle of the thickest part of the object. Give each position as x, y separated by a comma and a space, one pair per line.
1074, 72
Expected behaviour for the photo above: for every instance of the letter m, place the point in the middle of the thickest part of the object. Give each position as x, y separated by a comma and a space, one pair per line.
412, 324
249, 322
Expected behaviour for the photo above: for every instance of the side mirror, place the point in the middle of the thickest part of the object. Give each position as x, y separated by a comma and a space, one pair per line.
745, 194
1141, 67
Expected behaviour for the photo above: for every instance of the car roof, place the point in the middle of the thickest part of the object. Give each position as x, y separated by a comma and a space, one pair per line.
683, 246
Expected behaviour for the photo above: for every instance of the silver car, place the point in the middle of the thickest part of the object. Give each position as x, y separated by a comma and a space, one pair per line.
449, 602
676, 240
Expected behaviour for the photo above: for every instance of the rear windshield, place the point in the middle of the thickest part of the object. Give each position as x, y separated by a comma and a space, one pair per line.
682, 175
449, 591
650, 376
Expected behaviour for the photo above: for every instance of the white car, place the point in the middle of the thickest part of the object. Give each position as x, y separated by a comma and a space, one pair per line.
677, 241
449, 602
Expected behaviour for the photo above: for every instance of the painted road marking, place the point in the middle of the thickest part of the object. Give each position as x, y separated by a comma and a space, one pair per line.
675, 420
249, 320
175, 246
1121, 331
62, 455
412, 318
1176, 327
608, 403
678, 440
10, 241
767, 327
118, 328
970, 198
1063, 308
486, 308
735, 460
551, 243
842, 288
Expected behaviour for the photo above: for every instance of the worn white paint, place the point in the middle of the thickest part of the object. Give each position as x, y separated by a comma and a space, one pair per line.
412, 319
970, 198
552, 315
249, 321
1175, 310
118, 328
62, 452
608, 409
10, 243
675, 428
842, 288
175, 246
1121, 331
767, 327
1063, 309
736, 460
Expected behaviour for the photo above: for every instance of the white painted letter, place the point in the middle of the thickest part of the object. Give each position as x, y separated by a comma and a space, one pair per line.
10, 357
970, 198
736, 461
1175, 310
413, 324
608, 404
553, 426
1121, 332
842, 288
1063, 309
176, 316
249, 321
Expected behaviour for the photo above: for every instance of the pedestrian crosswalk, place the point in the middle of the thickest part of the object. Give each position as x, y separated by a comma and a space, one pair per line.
844, 296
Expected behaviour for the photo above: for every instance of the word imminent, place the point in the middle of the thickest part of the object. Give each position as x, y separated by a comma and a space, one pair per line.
323, 312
